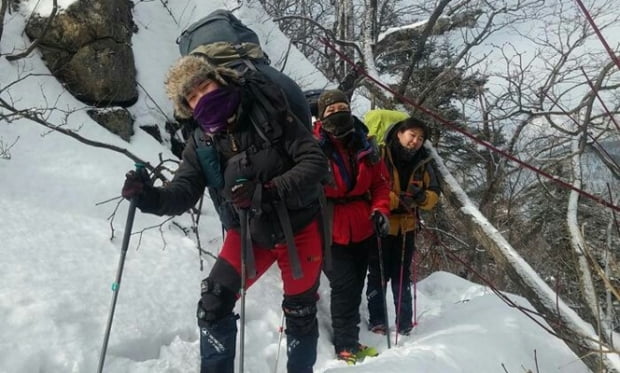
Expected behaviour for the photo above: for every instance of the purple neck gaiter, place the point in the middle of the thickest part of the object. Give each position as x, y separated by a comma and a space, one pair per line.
213, 109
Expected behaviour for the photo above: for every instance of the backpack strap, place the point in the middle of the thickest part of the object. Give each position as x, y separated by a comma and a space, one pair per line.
287, 229
246, 245
257, 127
263, 111
327, 215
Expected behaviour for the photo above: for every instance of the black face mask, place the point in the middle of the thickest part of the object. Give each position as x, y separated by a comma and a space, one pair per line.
408, 154
402, 153
338, 124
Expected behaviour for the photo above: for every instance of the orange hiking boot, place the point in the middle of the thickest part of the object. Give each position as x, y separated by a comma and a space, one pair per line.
356, 354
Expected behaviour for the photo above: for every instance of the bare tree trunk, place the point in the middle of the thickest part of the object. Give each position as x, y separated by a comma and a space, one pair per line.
566, 323
420, 43
609, 259
345, 32
576, 239
3, 9
577, 243
372, 15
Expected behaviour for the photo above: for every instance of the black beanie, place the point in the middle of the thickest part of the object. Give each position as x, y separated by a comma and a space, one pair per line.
330, 97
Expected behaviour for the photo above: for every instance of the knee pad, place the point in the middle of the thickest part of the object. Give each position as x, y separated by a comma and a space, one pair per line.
216, 301
300, 313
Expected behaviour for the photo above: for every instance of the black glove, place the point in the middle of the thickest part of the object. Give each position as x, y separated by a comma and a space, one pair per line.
135, 183
270, 193
242, 193
381, 222
414, 196
138, 187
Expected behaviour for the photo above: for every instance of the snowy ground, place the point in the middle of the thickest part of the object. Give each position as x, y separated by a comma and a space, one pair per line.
59, 261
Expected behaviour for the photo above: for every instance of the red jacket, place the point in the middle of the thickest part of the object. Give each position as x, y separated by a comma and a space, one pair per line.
355, 201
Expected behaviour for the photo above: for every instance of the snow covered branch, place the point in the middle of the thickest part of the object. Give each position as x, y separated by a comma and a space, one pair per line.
578, 334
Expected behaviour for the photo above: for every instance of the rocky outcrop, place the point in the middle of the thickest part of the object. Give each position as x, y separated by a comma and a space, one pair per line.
88, 48
116, 120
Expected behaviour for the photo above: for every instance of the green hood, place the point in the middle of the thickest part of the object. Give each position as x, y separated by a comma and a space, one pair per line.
380, 122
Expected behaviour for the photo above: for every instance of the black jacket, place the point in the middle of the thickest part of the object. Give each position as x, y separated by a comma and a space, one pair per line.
295, 165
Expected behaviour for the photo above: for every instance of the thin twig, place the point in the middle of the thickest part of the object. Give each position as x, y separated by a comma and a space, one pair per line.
108, 200
153, 101
35, 43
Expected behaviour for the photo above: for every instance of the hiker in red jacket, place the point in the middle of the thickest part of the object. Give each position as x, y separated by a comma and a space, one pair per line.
358, 204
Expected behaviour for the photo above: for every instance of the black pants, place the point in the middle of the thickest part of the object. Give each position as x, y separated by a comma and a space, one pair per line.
346, 281
392, 249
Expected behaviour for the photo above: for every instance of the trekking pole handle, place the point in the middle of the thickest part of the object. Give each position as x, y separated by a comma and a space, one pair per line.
140, 167
131, 213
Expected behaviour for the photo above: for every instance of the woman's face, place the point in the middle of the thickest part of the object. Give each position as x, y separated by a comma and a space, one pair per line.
411, 138
200, 90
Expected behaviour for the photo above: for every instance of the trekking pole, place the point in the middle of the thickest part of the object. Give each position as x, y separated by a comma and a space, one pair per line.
281, 331
415, 271
131, 213
415, 287
400, 285
383, 290
245, 222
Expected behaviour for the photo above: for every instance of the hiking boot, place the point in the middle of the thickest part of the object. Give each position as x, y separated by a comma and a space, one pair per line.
405, 330
347, 356
378, 329
356, 354
365, 351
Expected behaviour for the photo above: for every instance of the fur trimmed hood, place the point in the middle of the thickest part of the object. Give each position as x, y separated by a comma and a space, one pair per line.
187, 73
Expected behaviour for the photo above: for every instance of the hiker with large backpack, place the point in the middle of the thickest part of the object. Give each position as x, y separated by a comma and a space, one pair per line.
224, 40
263, 170
414, 185
358, 205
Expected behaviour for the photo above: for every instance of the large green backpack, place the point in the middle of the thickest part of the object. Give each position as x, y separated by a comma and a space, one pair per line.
379, 121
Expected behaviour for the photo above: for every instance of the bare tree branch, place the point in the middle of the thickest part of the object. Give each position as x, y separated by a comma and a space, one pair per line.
34, 44
36, 117
330, 35
5, 149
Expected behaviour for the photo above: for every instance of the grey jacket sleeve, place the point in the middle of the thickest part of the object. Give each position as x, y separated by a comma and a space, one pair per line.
186, 187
